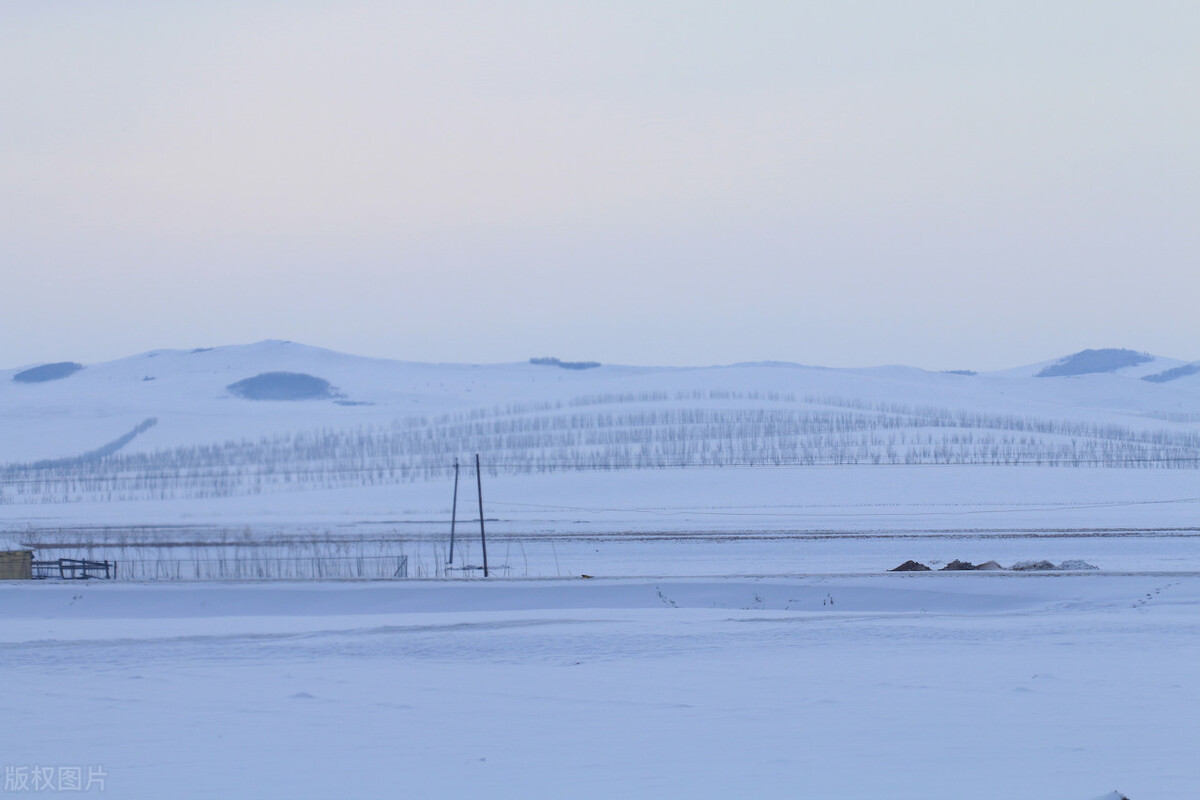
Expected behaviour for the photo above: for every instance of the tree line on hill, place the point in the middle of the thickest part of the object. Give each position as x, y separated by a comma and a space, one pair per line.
649, 430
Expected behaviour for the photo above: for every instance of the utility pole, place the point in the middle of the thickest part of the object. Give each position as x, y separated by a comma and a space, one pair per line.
482, 537
453, 512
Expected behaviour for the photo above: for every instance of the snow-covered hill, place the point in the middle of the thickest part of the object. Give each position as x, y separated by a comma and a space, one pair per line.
188, 393
171, 425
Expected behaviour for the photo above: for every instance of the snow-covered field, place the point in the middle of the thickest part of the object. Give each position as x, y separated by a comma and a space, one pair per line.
740, 635
935, 685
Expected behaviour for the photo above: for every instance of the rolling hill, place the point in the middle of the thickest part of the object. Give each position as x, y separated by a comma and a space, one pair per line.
277, 418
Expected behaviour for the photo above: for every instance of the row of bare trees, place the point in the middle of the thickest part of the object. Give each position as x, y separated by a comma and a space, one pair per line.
605, 432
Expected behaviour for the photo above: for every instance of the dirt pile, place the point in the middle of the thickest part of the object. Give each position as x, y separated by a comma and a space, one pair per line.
911, 566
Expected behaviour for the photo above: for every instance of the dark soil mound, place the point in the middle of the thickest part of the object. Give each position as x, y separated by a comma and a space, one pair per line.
282, 386
1033, 566
911, 566
1076, 563
958, 565
48, 372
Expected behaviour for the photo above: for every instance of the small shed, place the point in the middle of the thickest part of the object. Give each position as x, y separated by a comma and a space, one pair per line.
16, 565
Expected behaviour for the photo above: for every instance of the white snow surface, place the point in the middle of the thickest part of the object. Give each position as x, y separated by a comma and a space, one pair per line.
935, 685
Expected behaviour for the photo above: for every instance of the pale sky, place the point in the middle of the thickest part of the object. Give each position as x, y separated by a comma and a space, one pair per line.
948, 185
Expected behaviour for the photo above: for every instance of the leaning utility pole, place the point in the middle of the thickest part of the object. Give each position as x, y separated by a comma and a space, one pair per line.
482, 538
453, 512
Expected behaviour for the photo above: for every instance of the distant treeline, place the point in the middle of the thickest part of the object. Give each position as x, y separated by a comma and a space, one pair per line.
48, 372
1173, 374
1087, 362
547, 361
94, 455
